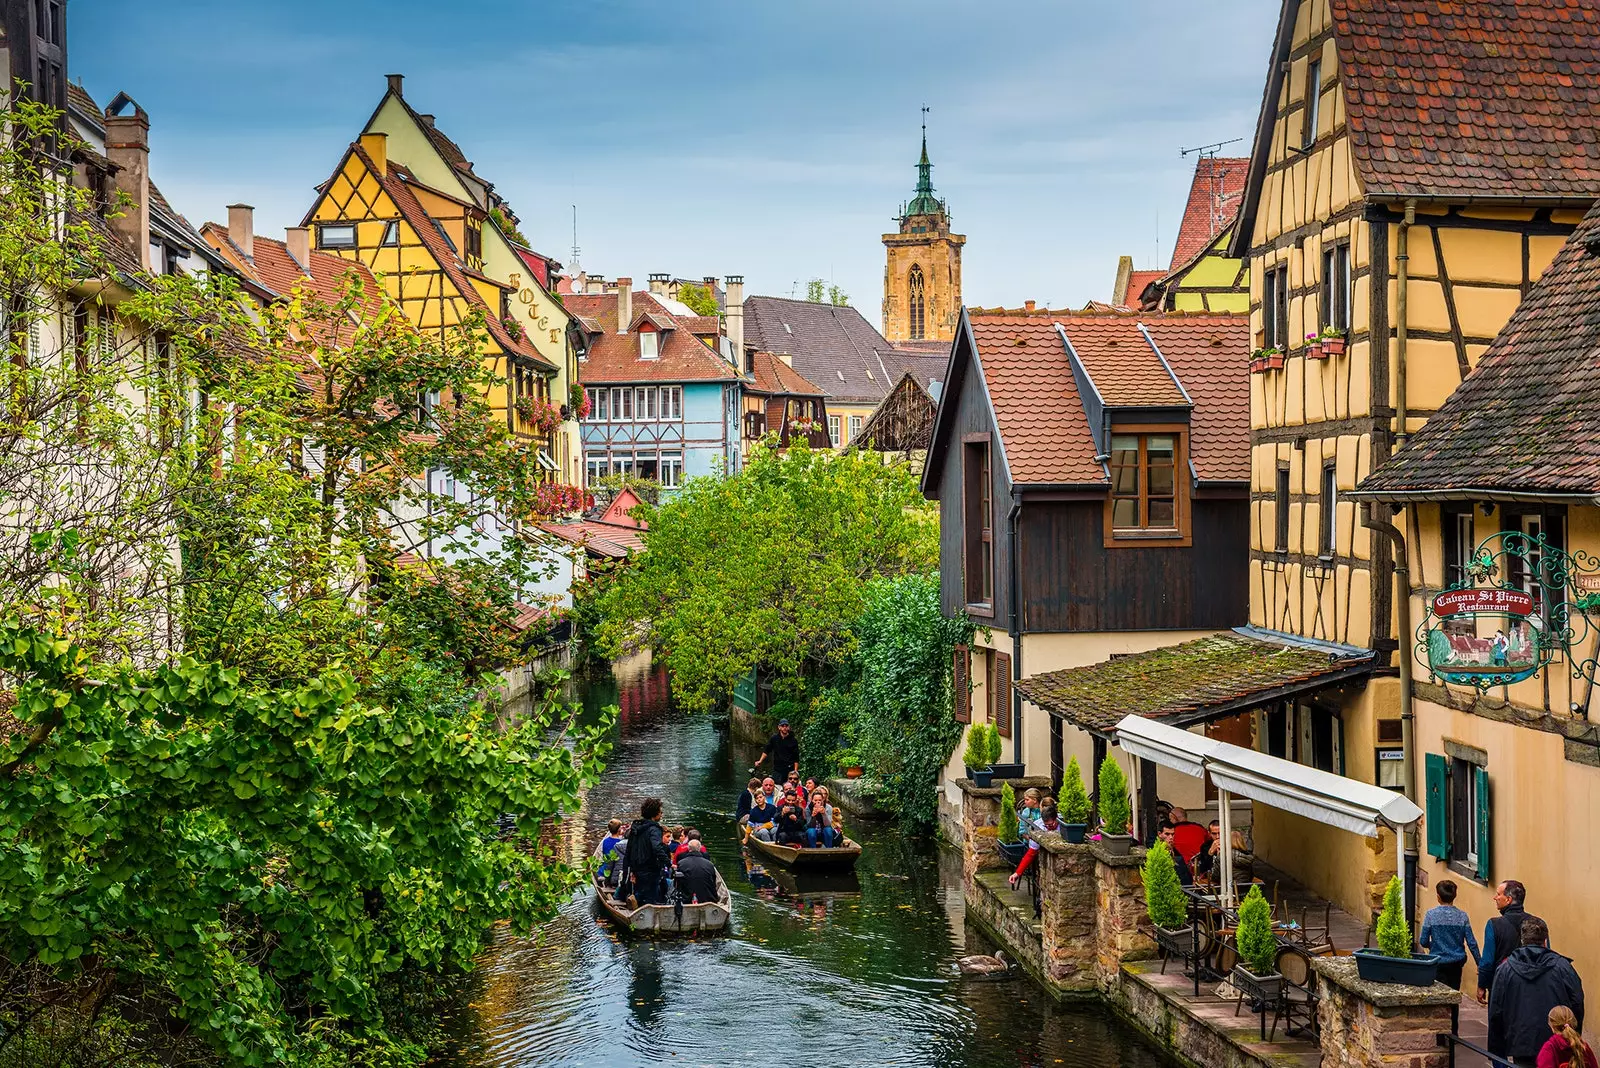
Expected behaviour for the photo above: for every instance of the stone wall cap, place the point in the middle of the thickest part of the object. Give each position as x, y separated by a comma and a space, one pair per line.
1134, 859
1051, 842
1341, 972
1017, 785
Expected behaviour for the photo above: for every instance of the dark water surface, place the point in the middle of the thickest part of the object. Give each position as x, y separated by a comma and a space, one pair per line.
854, 971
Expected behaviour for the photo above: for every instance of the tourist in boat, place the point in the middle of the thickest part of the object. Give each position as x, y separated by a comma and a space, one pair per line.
799, 788
747, 799
691, 840
608, 848
697, 876
783, 749
791, 824
819, 825
763, 820
1047, 822
769, 790
648, 857
808, 788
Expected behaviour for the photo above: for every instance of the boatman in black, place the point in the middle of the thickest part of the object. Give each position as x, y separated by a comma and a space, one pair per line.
783, 749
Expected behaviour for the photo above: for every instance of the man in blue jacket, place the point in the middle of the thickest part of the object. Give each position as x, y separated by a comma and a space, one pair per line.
1532, 980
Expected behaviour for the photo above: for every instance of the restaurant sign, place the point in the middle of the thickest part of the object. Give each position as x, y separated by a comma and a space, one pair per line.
1523, 604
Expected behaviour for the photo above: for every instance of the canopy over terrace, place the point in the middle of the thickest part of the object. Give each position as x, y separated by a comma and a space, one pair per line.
1319, 795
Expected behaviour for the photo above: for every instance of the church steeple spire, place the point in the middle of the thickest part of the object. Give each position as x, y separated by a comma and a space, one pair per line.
923, 202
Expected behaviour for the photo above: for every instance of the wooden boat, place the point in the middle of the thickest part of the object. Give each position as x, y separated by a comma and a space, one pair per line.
705, 918
837, 858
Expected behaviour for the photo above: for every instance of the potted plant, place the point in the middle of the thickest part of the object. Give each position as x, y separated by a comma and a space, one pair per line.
1392, 961
1332, 341
1008, 838
1116, 815
1073, 806
1274, 359
976, 756
1313, 346
513, 328
997, 769
1164, 902
1256, 973
1258, 362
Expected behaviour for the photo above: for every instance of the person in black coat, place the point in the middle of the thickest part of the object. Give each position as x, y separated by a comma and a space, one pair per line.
1503, 934
697, 876
783, 749
791, 825
1529, 983
648, 858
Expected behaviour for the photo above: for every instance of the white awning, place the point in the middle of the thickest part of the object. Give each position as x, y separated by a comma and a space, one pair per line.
1317, 795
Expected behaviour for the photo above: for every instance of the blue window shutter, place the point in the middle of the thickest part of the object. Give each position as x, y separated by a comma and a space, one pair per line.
1438, 804
1482, 816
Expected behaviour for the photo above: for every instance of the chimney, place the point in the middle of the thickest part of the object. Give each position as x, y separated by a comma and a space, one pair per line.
242, 228
1028, 305
298, 240
658, 284
396, 81
376, 145
733, 305
1124, 274
624, 304
128, 146
710, 282
427, 120
597, 283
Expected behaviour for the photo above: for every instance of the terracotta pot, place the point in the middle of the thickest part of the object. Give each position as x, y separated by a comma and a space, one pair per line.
853, 771
1258, 366
1333, 346
1275, 362
1314, 351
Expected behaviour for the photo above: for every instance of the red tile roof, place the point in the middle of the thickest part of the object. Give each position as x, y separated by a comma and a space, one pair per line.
1214, 199
274, 268
1120, 363
598, 539
1208, 353
1036, 403
772, 375
1136, 285
614, 357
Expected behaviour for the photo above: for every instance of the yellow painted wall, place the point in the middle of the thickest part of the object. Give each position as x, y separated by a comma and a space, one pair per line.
1214, 283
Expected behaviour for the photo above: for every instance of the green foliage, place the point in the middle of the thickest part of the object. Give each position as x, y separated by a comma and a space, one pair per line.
1394, 933
1163, 892
768, 568
700, 299
992, 735
1008, 812
976, 753
648, 490
1116, 814
1073, 804
503, 223
893, 699
1258, 947
821, 292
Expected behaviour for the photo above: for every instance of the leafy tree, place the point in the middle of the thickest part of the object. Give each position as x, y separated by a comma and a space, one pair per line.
1074, 802
1163, 891
1008, 813
1394, 933
700, 299
1258, 947
769, 568
821, 292
1115, 812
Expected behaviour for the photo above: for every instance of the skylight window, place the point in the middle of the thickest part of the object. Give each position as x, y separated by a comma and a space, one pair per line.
439, 226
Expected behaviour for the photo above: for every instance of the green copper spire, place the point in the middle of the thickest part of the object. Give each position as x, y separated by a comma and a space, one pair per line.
924, 202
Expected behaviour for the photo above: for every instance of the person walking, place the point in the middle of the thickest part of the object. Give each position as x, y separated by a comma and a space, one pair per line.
783, 749
1447, 934
1503, 934
1565, 1047
1528, 984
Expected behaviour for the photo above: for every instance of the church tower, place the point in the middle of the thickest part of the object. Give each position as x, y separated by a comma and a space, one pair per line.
922, 278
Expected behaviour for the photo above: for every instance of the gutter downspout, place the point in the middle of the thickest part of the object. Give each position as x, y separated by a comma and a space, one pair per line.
1016, 630
1402, 575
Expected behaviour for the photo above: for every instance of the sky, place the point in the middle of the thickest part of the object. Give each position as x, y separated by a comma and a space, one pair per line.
770, 138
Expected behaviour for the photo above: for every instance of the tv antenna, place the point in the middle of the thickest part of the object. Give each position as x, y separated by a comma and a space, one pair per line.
1209, 151
1219, 212
574, 237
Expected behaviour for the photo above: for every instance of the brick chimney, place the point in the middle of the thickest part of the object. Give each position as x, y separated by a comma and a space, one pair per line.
624, 304
128, 146
298, 240
733, 305
396, 84
242, 228
1029, 305
658, 284
376, 145
597, 283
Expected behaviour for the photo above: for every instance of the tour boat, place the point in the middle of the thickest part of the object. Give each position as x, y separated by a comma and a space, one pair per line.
670, 919
818, 858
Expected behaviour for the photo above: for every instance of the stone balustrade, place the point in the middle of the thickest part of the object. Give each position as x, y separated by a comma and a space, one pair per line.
1380, 1025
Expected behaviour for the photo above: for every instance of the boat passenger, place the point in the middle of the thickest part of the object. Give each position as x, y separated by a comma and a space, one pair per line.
794, 782
608, 848
769, 790
752, 791
819, 824
648, 857
763, 820
791, 825
691, 840
697, 876
1028, 812
1047, 822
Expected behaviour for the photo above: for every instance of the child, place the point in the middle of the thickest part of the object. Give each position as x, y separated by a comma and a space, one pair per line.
608, 847
1028, 813
1447, 934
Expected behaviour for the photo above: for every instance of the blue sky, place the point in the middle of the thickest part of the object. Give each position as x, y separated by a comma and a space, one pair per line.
772, 138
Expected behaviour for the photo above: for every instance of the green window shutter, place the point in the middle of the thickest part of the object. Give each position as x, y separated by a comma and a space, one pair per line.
1482, 816
1438, 775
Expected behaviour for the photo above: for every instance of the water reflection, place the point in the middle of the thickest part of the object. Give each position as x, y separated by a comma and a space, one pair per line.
835, 969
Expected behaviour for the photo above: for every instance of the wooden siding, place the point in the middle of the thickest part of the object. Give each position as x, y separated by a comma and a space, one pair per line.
972, 416
1071, 582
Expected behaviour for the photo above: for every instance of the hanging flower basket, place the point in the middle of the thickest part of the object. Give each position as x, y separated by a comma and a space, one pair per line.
537, 415
513, 328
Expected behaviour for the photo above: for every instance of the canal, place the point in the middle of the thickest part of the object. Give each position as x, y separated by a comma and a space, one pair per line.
859, 971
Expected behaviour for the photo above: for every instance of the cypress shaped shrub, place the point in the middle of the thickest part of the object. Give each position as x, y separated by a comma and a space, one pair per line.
1257, 946
1074, 804
977, 751
1163, 893
993, 753
1394, 933
1008, 813
1115, 812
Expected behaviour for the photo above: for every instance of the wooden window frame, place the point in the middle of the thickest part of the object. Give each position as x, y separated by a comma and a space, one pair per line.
977, 562
961, 683
322, 235
1312, 106
1181, 533
1275, 307
1451, 517
1280, 503
1333, 307
1328, 511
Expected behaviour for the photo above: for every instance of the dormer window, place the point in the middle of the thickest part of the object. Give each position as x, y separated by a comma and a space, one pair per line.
474, 242
391, 234
649, 345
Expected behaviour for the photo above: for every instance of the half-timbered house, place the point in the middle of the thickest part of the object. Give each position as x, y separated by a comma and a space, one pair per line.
1092, 475
781, 401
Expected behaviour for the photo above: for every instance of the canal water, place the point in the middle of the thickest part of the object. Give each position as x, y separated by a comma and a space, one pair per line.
850, 971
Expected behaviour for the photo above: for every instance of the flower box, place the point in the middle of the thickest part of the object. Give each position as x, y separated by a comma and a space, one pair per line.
1314, 351
1275, 361
1377, 967
1006, 771
1333, 346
